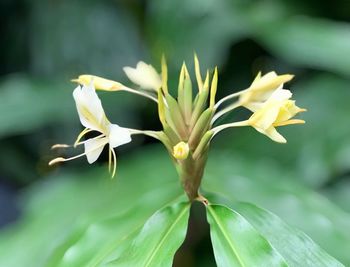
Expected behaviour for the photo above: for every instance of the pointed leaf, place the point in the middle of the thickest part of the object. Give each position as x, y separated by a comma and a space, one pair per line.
237, 243
158, 240
296, 247
275, 188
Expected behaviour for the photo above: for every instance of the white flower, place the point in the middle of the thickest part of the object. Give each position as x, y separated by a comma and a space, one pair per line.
92, 116
144, 75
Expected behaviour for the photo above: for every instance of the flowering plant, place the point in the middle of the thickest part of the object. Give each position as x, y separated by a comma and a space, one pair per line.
189, 121
241, 234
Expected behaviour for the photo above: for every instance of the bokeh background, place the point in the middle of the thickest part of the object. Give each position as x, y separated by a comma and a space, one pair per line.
46, 43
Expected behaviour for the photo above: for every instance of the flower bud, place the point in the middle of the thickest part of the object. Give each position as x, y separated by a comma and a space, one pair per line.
181, 151
99, 83
145, 76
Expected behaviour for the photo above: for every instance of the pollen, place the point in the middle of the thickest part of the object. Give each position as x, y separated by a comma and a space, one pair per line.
56, 160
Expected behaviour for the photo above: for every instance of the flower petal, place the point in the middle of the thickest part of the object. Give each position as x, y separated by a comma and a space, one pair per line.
270, 81
266, 116
280, 95
94, 147
273, 134
118, 135
89, 107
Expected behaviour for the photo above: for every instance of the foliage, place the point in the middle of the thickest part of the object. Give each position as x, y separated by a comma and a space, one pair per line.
81, 218
105, 216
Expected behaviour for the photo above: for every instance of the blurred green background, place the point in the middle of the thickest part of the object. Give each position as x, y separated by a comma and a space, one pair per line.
46, 43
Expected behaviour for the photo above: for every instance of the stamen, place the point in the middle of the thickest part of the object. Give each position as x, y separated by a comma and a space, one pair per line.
136, 92
56, 160
109, 159
82, 133
114, 162
60, 146
60, 159
229, 97
77, 143
229, 125
94, 138
225, 110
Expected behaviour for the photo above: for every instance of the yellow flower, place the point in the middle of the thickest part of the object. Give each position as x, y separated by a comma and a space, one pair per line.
276, 111
99, 83
145, 76
261, 89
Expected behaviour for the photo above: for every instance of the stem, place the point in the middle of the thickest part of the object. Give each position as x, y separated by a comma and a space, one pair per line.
191, 173
229, 97
154, 134
130, 90
224, 111
229, 125
159, 135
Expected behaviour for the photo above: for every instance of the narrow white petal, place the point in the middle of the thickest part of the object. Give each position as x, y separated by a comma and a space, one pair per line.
93, 148
118, 135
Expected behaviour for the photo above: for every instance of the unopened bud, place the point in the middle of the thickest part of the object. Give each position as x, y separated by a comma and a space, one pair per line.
98, 82
181, 151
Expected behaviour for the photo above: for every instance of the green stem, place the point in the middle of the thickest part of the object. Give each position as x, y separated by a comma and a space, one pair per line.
191, 173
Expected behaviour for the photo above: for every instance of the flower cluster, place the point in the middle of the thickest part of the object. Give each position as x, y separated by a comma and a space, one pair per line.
189, 121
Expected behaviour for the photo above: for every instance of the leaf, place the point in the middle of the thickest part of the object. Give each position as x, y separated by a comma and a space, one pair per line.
236, 242
158, 240
95, 242
29, 105
61, 51
78, 217
274, 188
206, 17
61, 212
316, 43
296, 247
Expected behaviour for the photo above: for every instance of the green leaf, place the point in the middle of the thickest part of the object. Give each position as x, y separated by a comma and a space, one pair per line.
80, 218
61, 213
236, 242
215, 26
158, 240
316, 43
272, 187
29, 104
93, 243
296, 247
